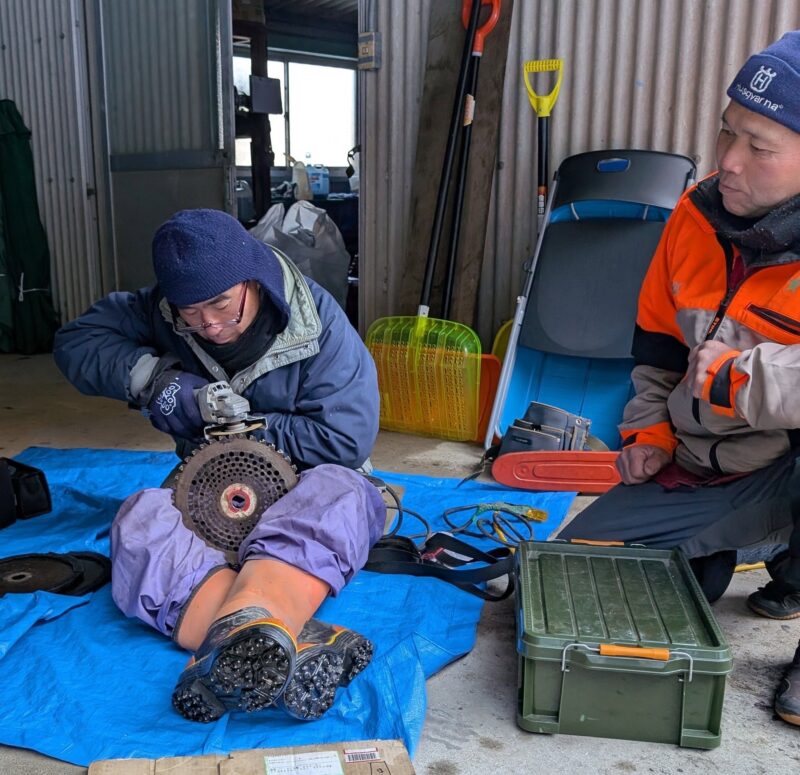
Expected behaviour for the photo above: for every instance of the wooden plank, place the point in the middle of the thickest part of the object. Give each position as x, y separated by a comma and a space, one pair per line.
445, 43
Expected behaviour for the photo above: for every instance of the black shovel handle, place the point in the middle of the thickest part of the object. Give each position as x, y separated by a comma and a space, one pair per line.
461, 185
449, 155
543, 145
468, 117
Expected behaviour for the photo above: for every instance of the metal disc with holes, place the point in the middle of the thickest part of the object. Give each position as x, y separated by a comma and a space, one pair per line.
224, 487
35, 572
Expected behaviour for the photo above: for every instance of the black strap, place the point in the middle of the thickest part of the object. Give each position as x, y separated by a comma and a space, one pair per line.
442, 556
488, 457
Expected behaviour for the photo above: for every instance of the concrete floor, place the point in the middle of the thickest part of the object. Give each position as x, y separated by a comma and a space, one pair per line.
470, 725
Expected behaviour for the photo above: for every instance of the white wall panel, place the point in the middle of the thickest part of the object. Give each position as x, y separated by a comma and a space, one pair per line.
638, 73
43, 70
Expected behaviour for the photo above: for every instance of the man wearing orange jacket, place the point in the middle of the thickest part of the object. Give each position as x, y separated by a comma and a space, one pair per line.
710, 440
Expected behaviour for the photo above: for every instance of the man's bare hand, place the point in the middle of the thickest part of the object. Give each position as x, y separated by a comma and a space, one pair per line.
700, 358
641, 462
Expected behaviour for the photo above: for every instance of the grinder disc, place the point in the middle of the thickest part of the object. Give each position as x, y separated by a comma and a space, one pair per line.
34, 572
224, 487
95, 570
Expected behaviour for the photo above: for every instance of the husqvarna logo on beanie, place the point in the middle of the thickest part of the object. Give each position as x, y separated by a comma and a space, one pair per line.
762, 79
769, 82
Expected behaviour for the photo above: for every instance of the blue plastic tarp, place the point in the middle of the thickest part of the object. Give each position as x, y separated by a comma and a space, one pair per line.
82, 683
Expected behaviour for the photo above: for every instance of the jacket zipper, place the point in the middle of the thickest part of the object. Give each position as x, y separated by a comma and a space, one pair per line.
716, 322
783, 322
730, 291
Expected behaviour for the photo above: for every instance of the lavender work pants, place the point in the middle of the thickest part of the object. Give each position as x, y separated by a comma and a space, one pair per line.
325, 526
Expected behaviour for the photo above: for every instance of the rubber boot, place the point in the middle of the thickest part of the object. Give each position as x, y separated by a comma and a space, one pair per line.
328, 656
780, 598
776, 600
244, 663
787, 697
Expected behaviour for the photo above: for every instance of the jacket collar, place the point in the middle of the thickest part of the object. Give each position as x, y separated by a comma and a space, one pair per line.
772, 239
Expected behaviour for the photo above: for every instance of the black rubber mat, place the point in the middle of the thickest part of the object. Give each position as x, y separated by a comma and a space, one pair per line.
74, 573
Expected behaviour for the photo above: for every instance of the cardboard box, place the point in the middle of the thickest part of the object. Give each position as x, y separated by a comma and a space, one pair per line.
362, 757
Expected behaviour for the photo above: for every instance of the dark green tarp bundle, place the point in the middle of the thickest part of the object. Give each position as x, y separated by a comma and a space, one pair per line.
27, 317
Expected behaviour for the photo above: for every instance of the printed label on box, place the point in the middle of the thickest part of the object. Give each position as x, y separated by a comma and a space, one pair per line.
317, 763
361, 755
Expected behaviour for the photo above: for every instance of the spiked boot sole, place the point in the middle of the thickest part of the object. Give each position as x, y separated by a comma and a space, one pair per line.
321, 669
247, 671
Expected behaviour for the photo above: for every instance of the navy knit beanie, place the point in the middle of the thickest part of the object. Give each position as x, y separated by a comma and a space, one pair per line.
769, 82
199, 254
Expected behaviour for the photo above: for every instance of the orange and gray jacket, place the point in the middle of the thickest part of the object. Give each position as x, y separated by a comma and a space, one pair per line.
717, 276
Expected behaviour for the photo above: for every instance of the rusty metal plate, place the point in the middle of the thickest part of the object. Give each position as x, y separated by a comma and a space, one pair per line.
223, 488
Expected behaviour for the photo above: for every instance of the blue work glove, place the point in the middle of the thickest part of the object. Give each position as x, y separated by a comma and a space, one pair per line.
173, 408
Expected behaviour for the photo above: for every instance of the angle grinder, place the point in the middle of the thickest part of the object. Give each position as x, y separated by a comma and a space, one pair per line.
226, 413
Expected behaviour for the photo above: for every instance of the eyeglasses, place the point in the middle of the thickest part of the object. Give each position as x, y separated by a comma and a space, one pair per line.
183, 327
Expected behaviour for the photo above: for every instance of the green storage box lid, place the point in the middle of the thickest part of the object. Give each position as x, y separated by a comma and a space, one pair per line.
579, 594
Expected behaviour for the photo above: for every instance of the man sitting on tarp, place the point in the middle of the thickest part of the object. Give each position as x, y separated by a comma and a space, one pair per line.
227, 307
709, 458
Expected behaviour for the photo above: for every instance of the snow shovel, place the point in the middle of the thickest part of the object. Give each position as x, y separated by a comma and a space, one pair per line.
490, 366
429, 369
542, 105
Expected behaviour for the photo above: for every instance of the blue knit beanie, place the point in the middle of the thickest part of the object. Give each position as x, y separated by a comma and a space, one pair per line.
769, 82
199, 254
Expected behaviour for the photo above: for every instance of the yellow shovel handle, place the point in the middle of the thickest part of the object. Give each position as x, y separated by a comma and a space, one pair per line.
640, 652
543, 104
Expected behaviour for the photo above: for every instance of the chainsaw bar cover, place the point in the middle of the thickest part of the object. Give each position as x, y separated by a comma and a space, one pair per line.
223, 488
585, 472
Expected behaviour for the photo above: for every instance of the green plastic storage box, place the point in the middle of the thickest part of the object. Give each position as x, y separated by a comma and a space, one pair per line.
666, 680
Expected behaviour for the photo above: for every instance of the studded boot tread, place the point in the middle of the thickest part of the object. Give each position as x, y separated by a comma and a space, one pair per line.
244, 663
328, 657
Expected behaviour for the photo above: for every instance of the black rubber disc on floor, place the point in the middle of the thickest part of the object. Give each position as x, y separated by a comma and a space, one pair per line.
96, 570
39, 572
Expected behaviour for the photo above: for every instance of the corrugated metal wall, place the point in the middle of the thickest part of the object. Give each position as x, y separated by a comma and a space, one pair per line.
387, 123
159, 76
638, 73
43, 69
169, 95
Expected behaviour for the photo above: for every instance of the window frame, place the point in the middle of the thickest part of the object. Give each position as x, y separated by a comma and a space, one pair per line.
287, 57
